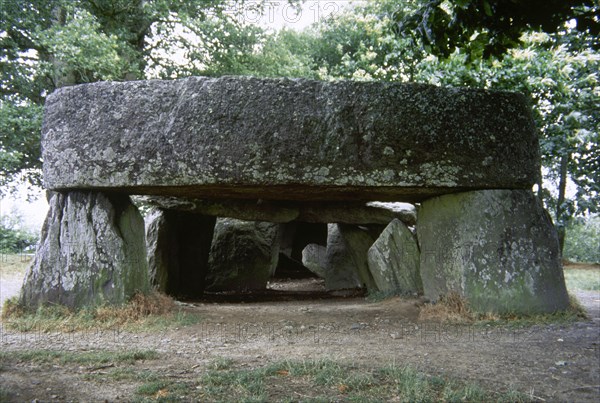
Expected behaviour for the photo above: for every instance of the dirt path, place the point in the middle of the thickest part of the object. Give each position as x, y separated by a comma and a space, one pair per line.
10, 286
550, 362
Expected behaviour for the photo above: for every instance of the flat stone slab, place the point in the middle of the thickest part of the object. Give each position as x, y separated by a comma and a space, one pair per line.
284, 212
283, 139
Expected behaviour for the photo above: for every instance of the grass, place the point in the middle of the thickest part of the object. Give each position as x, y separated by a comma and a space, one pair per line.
154, 312
582, 279
13, 264
81, 358
125, 374
326, 380
163, 391
288, 380
453, 308
4, 395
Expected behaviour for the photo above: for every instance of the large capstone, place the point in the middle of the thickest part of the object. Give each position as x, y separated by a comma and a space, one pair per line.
497, 248
91, 252
178, 248
394, 260
243, 255
287, 139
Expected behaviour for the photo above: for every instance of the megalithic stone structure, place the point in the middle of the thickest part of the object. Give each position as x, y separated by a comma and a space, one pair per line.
496, 247
283, 139
284, 150
91, 252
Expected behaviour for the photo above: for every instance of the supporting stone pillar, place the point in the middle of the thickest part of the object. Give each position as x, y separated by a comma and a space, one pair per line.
394, 260
497, 248
178, 248
91, 252
346, 264
243, 255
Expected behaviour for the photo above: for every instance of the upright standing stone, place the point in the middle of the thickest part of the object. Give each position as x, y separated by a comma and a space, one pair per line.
497, 248
346, 258
91, 252
178, 249
243, 255
394, 260
157, 249
314, 258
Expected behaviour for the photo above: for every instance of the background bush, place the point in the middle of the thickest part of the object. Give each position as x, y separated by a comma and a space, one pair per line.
582, 243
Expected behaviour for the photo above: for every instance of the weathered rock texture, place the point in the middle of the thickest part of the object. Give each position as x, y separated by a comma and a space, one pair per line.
295, 236
285, 212
243, 255
178, 248
346, 263
286, 139
91, 252
394, 260
498, 248
157, 249
314, 258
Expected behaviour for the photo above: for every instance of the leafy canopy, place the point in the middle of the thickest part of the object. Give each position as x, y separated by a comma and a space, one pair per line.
485, 28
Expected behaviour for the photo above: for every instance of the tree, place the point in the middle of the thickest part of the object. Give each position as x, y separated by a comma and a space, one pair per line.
46, 44
564, 86
558, 72
485, 28
13, 237
583, 241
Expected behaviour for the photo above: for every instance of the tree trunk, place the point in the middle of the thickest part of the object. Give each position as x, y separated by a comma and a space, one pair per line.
540, 189
62, 76
561, 218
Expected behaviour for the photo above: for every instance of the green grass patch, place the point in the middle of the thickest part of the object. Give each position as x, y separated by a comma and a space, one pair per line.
326, 380
124, 374
163, 391
582, 279
4, 395
82, 358
154, 312
224, 380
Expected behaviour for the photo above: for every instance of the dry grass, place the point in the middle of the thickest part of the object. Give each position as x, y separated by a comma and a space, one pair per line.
450, 308
453, 308
154, 311
139, 307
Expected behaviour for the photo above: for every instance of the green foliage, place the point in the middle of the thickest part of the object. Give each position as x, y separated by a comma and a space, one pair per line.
14, 239
360, 44
46, 44
326, 380
584, 279
82, 358
564, 87
19, 142
82, 47
486, 28
583, 240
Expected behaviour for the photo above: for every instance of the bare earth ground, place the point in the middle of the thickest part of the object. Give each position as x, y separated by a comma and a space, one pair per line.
548, 362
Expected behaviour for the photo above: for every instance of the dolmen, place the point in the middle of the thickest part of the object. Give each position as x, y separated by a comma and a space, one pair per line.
235, 166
